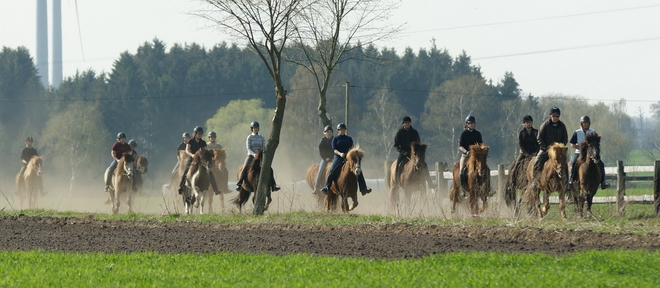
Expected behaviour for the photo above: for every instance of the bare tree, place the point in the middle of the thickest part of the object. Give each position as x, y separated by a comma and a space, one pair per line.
266, 26
324, 34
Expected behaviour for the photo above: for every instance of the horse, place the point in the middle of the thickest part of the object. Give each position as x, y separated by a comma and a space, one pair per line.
221, 176
311, 178
170, 190
141, 168
198, 181
346, 184
251, 182
414, 175
478, 180
517, 180
122, 181
588, 173
29, 183
553, 177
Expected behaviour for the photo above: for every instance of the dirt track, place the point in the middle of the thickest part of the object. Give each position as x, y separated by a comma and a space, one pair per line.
394, 241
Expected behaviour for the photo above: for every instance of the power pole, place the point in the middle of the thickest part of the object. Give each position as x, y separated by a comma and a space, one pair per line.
348, 94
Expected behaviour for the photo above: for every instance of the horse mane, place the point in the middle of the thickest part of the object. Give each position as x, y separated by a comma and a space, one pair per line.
257, 156
478, 153
127, 158
418, 149
219, 155
354, 152
557, 150
34, 162
593, 139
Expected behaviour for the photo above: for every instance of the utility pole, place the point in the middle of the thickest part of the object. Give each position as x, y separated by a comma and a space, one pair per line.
348, 94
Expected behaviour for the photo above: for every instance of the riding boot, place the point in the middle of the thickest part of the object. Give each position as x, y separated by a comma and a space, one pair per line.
239, 183
362, 184
213, 184
273, 185
182, 183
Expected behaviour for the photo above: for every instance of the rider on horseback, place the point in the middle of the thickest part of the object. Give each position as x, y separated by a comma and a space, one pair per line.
579, 136
528, 147
117, 152
341, 144
551, 131
212, 144
27, 154
138, 176
192, 146
325, 151
469, 137
406, 135
255, 142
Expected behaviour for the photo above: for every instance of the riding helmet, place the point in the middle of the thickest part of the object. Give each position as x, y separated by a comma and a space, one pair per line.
185, 134
327, 128
528, 118
555, 110
121, 135
198, 129
585, 118
406, 119
212, 134
470, 119
29, 139
341, 126
254, 124
133, 143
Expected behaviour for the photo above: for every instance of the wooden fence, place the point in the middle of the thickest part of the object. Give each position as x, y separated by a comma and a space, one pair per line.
619, 173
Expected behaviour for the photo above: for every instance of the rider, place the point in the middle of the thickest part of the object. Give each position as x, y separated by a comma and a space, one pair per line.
406, 135
578, 137
27, 154
138, 176
212, 144
192, 146
253, 143
528, 145
340, 146
325, 151
469, 137
117, 152
551, 131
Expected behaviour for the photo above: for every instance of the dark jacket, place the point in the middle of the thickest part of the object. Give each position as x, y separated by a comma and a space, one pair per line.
549, 134
469, 138
527, 142
403, 139
27, 153
325, 148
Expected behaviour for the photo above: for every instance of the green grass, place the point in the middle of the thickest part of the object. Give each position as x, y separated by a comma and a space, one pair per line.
585, 269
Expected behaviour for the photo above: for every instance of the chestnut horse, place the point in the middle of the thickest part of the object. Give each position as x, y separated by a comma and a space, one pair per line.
414, 175
311, 178
198, 181
221, 175
553, 177
30, 183
517, 180
346, 184
588, 173
251, 182
122, 181
478, 180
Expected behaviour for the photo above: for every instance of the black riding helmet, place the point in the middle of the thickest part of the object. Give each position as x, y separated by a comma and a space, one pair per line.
528, 118
121, 135
341, 126
198, 129
185, 134
555, 110
254, 124
406, 119
212, 134
470, 119
133, 143
327, 128
585, 118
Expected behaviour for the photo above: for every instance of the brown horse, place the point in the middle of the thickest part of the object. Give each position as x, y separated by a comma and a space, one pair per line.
122, 181
250, 183
346, 184
221, 175
517, 180
141, 168
30, 183
553, 177
588, 173
311, 178
198, 181
414, 175
478, 183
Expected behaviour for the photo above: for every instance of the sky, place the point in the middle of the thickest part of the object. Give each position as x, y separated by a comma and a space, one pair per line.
601, 50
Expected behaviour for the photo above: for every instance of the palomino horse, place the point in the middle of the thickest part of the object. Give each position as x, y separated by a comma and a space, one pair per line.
346, 184
221, 175
414, 175
122, 182
198, 181
251, 182
28, 185
478, 180
311, 178
517, 180
553, 177
588, 173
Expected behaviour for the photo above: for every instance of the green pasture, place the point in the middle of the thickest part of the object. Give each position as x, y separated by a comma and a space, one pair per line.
586, 269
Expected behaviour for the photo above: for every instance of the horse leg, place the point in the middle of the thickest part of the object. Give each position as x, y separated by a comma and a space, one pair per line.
129, 199
590, 200
355, 202
394, 195
344, 203
115, 202
562, 206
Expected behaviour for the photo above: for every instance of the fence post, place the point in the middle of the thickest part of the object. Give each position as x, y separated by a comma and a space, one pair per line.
501, 180
388, 164
440, 168
620, 188
656, 187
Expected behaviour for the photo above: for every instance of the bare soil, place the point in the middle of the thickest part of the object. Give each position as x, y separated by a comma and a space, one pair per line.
395, 241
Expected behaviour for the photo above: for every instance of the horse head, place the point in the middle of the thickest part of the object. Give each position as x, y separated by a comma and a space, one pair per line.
557, 154
35, 164
417, 154
354, 160
203, 158
590, 148
479, 157
128, 165
141, 164
219, 157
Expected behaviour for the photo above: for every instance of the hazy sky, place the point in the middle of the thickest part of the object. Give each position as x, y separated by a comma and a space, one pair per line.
602, 50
